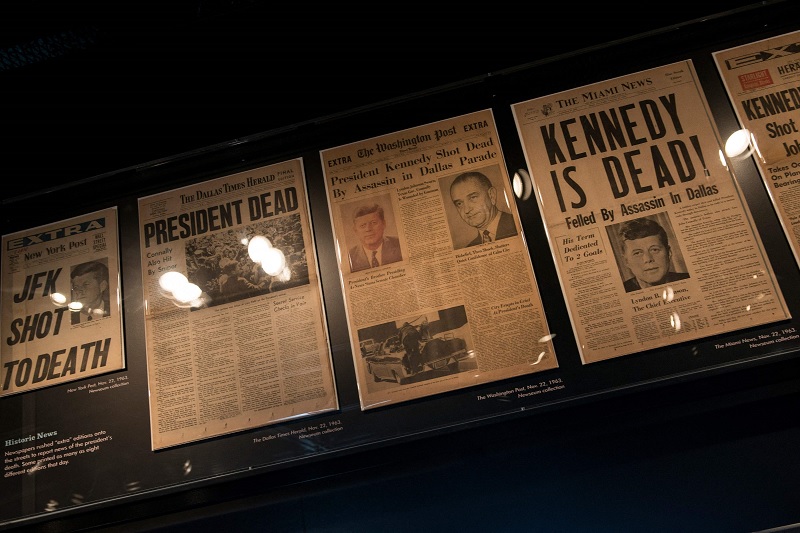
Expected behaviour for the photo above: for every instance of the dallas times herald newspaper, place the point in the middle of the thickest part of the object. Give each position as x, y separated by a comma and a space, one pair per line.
61, 310
763, 83
651, 235
235, 325
436, 308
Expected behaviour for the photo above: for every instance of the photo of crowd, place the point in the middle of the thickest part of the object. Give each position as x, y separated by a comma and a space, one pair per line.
220, 264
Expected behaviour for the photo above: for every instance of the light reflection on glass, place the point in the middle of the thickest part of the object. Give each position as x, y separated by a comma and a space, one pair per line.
265, 258
738, 143
257, 248
522, 184
58, 299
52, 505
285, 274
675, 320
742, 143
668, 294
187, 292
754, 144
170, 280
273, 261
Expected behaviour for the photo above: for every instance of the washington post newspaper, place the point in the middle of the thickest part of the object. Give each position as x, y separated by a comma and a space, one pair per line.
235, 326
439, 289
62, 318
650, 233
763, 83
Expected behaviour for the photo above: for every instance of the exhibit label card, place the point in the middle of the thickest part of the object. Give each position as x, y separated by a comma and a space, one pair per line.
763, 83
234, 320
439, 289
652, 238
62, 316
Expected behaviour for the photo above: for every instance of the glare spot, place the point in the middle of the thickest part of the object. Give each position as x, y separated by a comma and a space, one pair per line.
170, 280
737, 143
58, 298
273, 261
52, 505
257, 248
285, 275
187, 292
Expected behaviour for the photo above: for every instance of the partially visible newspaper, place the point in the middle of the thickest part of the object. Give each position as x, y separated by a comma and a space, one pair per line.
234, 320
440, 305
763, 83
62, 316
651, 235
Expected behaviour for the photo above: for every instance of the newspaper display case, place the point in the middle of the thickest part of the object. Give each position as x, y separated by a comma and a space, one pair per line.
121, 466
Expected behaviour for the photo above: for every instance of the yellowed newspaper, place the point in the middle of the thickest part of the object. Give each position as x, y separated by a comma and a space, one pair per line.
651, 236
234, 319
439, 289
62, 316
763, 83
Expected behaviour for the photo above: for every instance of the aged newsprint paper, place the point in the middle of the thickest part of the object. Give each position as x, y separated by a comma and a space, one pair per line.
62, 317
234, 319
439, 289
650, 233
763, 84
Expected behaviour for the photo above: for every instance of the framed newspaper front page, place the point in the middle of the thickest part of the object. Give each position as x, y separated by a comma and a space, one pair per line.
652, 239
439, 289
762, 80
62, 312
235, 325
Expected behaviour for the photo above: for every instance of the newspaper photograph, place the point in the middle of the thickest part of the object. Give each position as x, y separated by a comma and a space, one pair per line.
762, 80
62, 312
235, 325
439, 288
652, 239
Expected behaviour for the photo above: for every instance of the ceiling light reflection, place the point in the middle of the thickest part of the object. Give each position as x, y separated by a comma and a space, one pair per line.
675, 321
169, 281
273, 261
258, 247
57, 298
738, 143
522, 184
187, 292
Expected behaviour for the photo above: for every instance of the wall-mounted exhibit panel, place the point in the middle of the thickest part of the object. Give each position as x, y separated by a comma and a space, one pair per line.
62, 316
242, 369
236, 332
424, 219
651, 235
763, 83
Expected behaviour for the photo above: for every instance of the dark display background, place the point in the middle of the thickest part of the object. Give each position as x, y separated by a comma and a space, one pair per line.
687, 436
